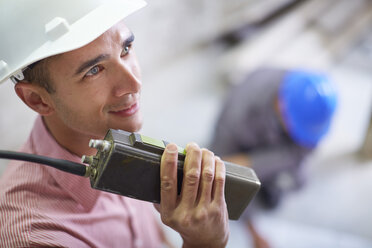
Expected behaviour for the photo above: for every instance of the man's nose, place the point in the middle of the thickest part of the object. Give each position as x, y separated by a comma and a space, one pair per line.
127, 80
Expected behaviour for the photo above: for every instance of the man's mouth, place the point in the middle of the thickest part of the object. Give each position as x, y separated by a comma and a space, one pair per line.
126, 112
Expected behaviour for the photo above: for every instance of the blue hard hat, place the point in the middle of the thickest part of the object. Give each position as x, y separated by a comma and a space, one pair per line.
307, 102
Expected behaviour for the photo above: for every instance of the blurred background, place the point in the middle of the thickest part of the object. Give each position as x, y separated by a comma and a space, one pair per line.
192, 51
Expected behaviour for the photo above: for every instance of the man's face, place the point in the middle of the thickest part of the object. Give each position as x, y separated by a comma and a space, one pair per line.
98, 86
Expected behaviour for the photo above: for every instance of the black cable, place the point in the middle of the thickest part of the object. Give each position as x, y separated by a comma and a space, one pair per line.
60, 164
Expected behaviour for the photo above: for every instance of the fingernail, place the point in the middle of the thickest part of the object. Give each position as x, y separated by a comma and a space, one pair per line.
191, 144
171, 149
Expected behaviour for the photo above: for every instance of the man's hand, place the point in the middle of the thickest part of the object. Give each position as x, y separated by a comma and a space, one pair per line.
199, 213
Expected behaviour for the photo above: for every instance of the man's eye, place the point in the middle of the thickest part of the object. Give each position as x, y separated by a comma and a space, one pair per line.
126, 50
94, 71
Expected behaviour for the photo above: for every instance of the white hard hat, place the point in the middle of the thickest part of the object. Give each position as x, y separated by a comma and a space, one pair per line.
31, 30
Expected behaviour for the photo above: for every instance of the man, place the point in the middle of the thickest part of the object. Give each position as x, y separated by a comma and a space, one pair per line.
73, 63
271, 121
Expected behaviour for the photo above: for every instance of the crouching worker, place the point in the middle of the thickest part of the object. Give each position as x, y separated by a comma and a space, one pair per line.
271, 121
73, 62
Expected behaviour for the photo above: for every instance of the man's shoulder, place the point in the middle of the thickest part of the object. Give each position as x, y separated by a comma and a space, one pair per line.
18, 195
21, 179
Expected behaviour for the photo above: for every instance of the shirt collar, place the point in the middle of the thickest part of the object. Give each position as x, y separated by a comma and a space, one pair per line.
77, 187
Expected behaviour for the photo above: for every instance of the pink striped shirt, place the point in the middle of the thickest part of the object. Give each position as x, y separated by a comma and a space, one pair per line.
42, 206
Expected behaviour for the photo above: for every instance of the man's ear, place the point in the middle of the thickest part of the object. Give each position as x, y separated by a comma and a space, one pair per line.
35, 97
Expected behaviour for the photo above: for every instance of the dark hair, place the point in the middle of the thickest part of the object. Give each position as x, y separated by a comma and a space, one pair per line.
38, 73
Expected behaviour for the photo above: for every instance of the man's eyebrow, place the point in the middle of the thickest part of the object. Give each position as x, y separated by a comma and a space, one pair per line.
91, 62
128, 40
